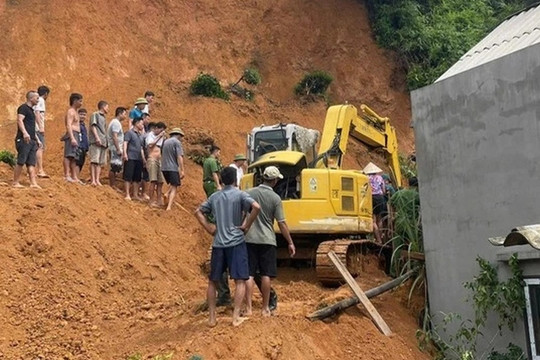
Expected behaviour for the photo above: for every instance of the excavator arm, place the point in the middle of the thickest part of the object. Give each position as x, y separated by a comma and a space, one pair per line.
369, 128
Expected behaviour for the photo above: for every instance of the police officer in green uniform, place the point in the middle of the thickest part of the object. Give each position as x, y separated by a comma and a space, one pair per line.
211, 168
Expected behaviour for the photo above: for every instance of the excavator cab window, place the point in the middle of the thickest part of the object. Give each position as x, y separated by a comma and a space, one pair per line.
268, 141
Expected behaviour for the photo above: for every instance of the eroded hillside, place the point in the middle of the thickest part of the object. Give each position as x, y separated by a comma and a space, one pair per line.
86, 275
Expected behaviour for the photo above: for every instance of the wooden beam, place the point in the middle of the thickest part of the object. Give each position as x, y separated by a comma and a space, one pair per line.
375, 316
351, 301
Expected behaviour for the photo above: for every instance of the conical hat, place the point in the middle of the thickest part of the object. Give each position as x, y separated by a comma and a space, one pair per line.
371, 168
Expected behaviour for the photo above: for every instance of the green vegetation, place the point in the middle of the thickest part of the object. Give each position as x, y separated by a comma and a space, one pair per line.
8, 157
209, 86
506, 299
407, 166
250, 76
431, 35
314, 83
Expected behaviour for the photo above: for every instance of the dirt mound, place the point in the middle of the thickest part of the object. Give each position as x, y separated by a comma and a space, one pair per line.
86, 275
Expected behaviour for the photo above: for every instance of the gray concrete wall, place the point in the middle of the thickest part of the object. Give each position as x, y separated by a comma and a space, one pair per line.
478, 157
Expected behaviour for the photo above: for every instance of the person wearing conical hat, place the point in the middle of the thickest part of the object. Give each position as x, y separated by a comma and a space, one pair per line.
239, 163
378, 190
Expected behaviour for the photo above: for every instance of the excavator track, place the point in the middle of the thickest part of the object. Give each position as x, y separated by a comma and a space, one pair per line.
350, 254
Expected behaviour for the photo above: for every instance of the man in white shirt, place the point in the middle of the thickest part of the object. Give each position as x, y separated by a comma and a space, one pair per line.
239, 164
149, 96
39, 110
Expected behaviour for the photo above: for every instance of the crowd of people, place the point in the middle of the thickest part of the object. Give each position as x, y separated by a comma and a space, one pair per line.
145, 155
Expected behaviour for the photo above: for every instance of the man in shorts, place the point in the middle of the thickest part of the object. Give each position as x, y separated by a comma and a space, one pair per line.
172, 163
115, 139
98, 142
154, 143
72, 138
39, 109
26, 141
134, 160
261, 238
229, 249
84, 145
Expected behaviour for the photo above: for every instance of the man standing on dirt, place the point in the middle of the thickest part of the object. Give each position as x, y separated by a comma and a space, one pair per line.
172, 163
39, 110
71, 138
261, 239
154, 143
211, 172
115, 139
84, 145
98, 142
229, 247
134, 160
26, 141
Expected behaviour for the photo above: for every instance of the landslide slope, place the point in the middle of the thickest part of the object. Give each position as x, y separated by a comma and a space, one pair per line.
86, 275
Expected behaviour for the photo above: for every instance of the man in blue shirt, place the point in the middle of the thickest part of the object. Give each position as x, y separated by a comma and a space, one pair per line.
137, 111
229, 250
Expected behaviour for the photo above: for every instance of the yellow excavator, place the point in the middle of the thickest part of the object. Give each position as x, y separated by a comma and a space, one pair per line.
326, 207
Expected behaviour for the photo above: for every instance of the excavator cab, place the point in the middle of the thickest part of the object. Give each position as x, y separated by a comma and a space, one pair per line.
291, 137
290, 164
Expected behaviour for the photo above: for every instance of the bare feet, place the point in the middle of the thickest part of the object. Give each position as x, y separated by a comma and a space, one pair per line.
246, 312
266, 313
68, 179
168, 209
99, 184
146, 197
17, 186
239, 320
127, 198
35, 186
43, 175
137, 198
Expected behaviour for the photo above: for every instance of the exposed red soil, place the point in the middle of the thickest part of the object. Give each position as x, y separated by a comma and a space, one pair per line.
86, 275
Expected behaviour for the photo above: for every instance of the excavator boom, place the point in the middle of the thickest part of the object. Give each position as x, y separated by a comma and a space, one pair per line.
369, 128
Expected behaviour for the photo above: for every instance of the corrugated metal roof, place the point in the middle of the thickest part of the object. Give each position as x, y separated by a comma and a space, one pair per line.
515, 33
521, 235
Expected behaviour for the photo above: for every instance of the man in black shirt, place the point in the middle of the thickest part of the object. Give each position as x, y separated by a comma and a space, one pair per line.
26, 141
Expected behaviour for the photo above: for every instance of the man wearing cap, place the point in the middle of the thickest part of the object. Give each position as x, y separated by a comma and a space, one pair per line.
261, 239
172, 163
239, 164
137, 111
154, 142
229, 247
211, 169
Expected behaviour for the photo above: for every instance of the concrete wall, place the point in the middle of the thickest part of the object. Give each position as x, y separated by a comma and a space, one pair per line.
478, 157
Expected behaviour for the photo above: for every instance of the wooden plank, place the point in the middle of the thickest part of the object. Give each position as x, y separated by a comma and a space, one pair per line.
346, 303
375, 316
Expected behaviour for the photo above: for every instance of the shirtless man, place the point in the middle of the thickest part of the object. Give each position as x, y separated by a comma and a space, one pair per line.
71, 139
154, 141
